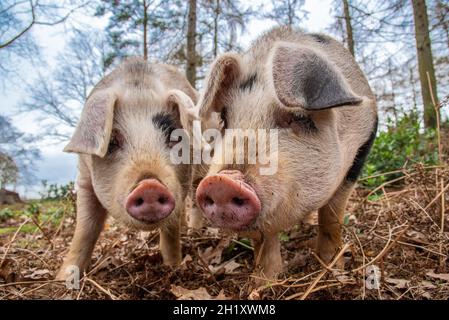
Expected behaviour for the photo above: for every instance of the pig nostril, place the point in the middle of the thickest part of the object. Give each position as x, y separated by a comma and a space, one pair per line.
162, 200
208, 200
238, 201
139, 202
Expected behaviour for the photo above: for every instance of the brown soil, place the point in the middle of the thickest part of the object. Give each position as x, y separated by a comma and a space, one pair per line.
400, 232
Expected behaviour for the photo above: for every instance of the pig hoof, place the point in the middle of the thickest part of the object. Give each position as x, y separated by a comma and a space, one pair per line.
262, 281
62, 275
328, 256
173, 261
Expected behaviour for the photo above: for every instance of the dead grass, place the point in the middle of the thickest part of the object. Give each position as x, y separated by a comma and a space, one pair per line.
399, 230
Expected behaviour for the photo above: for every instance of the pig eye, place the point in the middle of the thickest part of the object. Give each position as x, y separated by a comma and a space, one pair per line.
299, 123
224, 118
304, 123
116, 141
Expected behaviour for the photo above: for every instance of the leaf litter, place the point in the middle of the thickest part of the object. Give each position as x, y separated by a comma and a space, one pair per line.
400, 233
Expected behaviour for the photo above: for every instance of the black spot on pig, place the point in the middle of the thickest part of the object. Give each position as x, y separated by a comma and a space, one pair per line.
319, 38
248, 83
360, 158
165, 122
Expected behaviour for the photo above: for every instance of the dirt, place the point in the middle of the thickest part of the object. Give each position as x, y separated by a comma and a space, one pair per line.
397, 236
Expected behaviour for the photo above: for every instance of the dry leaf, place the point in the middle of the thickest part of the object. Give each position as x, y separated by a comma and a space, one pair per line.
38, 274
196, 294
426, 295
417, 237
398, 283
427, 285
7, 272
441, 276
254, 294
213, 232
186, 262
231, 266
222, 296
212, 255
226, 267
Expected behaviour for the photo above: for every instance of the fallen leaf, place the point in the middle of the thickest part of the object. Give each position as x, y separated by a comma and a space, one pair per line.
426, 295
441, 276
214, 232
196, 294
222, 296
427, 285
7, 272
231, 266
417, 237
226, 267
38, 274
254, 295
212, 255
144, 235
398, 283
186, 262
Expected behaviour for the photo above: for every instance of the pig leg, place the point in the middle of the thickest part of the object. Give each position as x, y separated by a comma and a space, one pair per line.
195, 217
89, 223
330, 220
170, 243
267, 256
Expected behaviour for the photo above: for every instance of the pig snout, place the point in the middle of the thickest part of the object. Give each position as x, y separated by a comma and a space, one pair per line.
227, 201
150, 201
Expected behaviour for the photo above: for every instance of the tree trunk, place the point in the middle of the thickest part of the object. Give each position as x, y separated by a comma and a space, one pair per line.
290, 14
425, 62
191, 44
349, 35
217, 14
145, 30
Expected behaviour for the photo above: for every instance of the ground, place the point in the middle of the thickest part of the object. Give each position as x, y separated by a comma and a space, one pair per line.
396, 234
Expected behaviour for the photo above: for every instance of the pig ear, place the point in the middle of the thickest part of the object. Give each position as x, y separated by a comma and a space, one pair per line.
223, 75
93, 131
182, 105
305, 79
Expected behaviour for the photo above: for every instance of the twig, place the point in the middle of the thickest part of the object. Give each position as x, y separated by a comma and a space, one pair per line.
12, 240
242, 244
387, 247
101, 288
423, 210
414, 246
33, 254
436, 107
29, 282
315, 282
387, 183
437, 196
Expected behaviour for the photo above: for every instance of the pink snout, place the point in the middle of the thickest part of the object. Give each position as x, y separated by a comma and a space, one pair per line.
228, 202
150, 201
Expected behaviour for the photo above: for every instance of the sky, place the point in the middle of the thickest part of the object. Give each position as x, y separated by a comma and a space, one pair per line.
59, 167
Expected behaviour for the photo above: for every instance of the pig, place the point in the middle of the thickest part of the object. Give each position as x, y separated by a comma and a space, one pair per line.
124, 167
309, 88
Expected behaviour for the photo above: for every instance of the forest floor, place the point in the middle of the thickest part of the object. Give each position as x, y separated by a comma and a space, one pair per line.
396, 235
